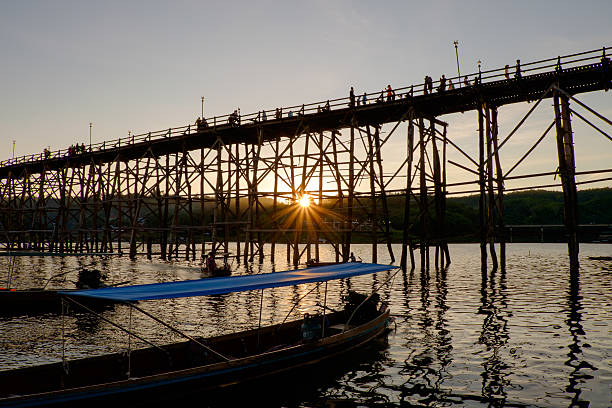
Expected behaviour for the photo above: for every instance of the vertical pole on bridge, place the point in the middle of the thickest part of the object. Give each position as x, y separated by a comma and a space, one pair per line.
383, 195
424, 211
482, 199
439, 177
118, 185
238, 229
321, 141
306, 219
275, 200
256, 155
490, 191
164, 237
219, 197
351, 192
63, 213
445, 251
297, 229
500, 191
406, 241
374, 215
339, 185
135, 213
247, 234
203, 202
567, 169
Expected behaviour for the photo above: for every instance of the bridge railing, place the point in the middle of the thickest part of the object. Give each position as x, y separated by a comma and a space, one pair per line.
545, 66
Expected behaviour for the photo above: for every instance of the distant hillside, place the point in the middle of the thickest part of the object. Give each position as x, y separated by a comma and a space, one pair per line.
546, 207
532, 208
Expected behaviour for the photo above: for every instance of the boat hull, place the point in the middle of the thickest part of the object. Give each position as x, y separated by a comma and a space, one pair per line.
209, 379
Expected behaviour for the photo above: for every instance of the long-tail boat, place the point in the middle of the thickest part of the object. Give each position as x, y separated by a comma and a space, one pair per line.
204, 365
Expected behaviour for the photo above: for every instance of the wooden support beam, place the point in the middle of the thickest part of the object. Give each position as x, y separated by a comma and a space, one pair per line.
406, 241
423, 244
567, 169
373, 210
490, 191
275, 203
500, 191
482, 197
383, 195
438, 200
351, 195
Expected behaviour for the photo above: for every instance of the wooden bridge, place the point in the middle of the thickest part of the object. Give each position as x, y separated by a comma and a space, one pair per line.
195, 188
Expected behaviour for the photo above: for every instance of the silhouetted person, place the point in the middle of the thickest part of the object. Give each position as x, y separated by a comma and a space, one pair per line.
442, 86
233, 118
352, 98
364, 99
450, 85
390, 94
425, 84
211, 266
466, 81
517, 74
507, 71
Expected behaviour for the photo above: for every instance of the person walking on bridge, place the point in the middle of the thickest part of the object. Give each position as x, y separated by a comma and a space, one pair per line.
517, 74
352, 98
390, 94
442, 86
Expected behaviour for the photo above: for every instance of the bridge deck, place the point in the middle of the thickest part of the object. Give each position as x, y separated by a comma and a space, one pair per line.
579, 79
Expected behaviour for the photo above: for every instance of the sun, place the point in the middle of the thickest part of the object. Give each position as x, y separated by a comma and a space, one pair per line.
305, 201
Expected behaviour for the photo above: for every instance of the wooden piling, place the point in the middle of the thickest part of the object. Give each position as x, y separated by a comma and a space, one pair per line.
373, 209
490, 191
423, 244
565, 153
500, 191
482, 196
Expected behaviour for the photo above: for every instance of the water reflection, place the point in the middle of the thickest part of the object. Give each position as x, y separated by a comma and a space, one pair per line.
444, 340
425, 369
494, 337
512, 337
576, 359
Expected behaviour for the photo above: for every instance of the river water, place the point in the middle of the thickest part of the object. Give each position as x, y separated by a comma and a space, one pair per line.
535, 335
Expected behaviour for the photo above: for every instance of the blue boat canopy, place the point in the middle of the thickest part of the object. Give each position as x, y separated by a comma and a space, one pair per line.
216, 286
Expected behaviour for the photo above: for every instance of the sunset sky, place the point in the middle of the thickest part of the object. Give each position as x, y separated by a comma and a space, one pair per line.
142, 66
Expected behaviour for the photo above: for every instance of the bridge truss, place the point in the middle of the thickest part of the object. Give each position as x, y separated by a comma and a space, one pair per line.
235, 184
